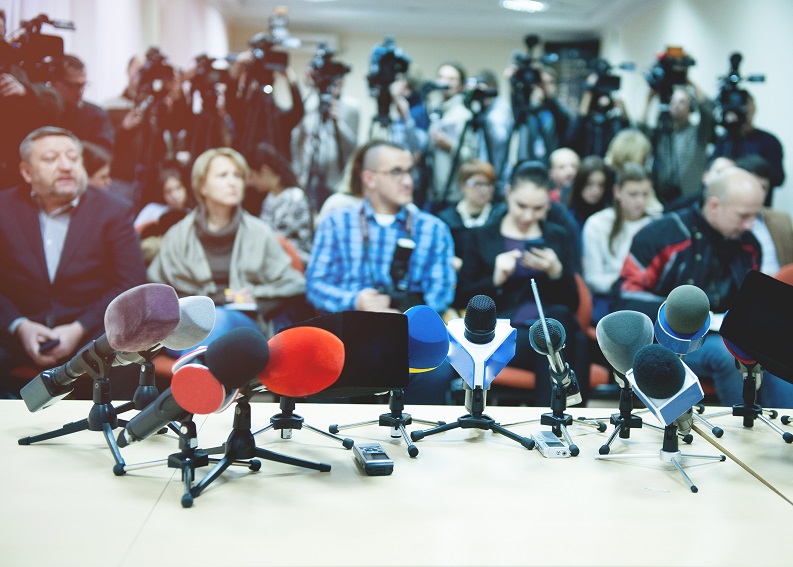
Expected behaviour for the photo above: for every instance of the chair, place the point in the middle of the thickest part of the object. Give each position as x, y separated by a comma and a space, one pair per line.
785, 274
598, 375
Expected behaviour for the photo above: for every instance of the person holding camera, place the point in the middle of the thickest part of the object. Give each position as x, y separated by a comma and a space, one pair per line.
600, 117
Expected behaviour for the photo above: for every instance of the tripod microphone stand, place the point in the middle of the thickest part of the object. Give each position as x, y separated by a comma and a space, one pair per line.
240, 448
287, 420
396, 419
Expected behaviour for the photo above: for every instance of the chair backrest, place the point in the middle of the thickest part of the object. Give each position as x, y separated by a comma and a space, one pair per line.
785, 274
584, 312
291, 249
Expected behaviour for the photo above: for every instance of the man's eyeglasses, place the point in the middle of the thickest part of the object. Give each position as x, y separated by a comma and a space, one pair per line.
398, 173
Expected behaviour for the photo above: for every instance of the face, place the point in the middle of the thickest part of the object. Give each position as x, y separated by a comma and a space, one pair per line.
265, 179
527, 204
175, 193
736, 212
71, 86
632, 198
680, 105
564, 166
477, 190
101, 179
750, 110
388, 180
595, 188
224, 184
451, 77
55, 170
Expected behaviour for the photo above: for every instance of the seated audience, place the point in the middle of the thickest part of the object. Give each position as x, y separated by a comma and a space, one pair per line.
607, 235
502, 258
564, 165
591, 189
96, 161
220, 251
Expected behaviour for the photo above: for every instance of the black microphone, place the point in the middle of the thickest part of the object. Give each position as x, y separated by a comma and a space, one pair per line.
620, 335
234, 359
559, 369
480, 319
134, 321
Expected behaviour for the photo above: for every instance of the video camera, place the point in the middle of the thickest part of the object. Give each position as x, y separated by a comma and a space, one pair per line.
154, 75
324, 72
670, 70
527, 73
732, 99
34, 52
266, 58
209, 73
606, 83
477, 91
385, 64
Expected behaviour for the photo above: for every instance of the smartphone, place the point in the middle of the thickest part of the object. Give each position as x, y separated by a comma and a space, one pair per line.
49, 345
534, 243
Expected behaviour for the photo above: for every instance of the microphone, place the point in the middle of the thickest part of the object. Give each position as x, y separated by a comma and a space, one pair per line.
664, 384
480, 345
136, 319
233, 359
303, 361
620, 335
683, 320
196, 320
428, 339
560, 370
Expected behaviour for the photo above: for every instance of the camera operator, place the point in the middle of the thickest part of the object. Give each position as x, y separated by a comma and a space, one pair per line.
600, 114
87, 121
749, 140
327, 136
24, 106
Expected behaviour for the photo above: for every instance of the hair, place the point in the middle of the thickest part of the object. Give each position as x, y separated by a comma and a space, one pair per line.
198, 176
267, 155
629, 145
64, 64
458, 67
476, 167
590, 165
95, 157
531, 171
755, 164
358, 160
631, 172
26, 147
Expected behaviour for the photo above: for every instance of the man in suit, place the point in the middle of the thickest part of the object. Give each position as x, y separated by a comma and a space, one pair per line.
66, 250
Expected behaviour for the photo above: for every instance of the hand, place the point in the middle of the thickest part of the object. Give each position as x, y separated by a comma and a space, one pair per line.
543, 259
372, 300
131, 119
10, 86
441, 140
32, 335
506, 262
537, 96
71, 337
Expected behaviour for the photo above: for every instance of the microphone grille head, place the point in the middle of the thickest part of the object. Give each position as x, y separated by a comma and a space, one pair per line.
621, 335
141, 317
658, 372
687, 309
480, 319
555, 332
235, 358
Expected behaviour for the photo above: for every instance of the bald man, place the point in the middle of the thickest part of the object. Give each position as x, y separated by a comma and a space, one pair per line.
712, 247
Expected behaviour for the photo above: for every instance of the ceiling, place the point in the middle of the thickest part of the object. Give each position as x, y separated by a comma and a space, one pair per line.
561, 20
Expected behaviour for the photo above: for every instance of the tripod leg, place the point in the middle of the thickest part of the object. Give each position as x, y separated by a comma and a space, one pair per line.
691, 485
118, 468
67, 429
574, 450
347, 443
717, 431
606, 448
421, 434
212, 475
279, 458
525, 441
412, 449
786, 435
187, 480
335, 428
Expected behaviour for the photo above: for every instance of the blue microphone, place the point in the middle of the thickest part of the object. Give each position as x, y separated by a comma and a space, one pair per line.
683, 320
428, 340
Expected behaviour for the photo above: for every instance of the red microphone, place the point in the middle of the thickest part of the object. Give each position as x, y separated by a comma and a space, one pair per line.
197, 391
303, 361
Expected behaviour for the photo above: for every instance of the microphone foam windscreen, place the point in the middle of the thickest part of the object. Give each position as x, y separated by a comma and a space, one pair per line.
621, 335
141, 317
235, 358
303, 361
480, 319
197, 317
196, 390
658, 372
687, 309
428, 339
555, 332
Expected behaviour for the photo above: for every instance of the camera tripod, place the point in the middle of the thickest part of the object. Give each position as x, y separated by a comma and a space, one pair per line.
749, 409
395, 419
287, 420
669, 454
475, 419
240, 448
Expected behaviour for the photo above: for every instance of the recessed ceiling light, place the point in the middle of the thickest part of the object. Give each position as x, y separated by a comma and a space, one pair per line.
523, 5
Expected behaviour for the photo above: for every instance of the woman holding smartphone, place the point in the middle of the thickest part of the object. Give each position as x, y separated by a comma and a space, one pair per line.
501, 259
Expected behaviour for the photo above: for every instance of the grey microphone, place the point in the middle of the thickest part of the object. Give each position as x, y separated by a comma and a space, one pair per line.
683, 320
620, 335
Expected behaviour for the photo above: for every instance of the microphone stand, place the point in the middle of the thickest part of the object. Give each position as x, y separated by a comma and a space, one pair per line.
287, 420
396, 419
669, 454
240, 449
475, 419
